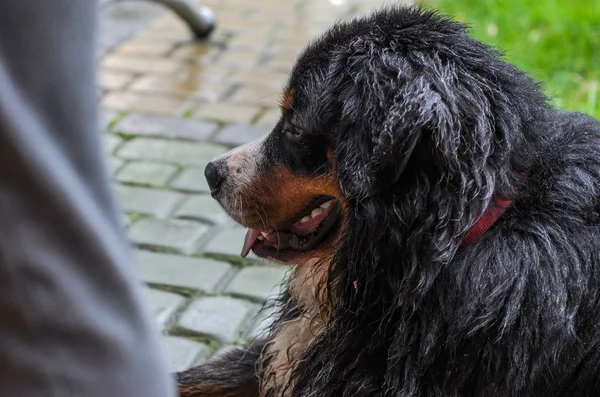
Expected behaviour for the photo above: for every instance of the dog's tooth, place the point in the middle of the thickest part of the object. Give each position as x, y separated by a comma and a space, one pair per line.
261, 238
305, 219
264, 234
316, 212
327, 204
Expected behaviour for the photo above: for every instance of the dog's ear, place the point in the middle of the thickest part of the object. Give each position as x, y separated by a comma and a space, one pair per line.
390, 103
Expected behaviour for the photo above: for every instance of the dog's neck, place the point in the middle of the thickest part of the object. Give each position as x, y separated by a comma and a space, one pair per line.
486, 220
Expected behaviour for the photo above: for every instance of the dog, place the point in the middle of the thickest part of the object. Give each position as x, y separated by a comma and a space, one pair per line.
441, 217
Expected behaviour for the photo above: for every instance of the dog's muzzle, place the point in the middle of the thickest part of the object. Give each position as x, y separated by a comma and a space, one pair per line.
232, 172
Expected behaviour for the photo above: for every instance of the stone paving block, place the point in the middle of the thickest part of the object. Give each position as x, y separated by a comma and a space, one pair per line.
220, 317
184, 353
105, 117
111, 142
170, 22
249, 41
240, 25
258, 282
239, 57
182, 271
172, 234
186, 85
171, 151
256, 95
270, 117
293, 37
227, 242
143, 49
271, 10
272, 81
202, 207
238, 134
282, 61
114, 165
281, 47
114, 79
165, 127
138, 64
191, 180
163, 305
227, 112
146, 103
279, 65
204, 73
194, 51
176, 35
148, 173
142, 200
121, 20
166, 20
152, 37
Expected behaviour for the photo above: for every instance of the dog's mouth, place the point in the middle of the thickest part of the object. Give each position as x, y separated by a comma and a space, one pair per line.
304, 232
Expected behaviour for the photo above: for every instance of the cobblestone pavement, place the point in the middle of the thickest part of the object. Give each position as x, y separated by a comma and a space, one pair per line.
169, 105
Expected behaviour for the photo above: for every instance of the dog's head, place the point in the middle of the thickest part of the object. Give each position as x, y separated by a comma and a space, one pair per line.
372, 109
284, 189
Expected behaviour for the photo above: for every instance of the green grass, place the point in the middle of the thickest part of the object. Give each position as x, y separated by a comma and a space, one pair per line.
556, 41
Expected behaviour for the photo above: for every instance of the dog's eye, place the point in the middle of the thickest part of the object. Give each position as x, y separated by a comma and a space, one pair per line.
293, 132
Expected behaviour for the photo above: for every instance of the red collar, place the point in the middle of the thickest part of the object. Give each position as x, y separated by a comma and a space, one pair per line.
482, 224
486, 220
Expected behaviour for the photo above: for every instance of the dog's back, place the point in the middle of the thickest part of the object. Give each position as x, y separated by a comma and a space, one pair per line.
527, 317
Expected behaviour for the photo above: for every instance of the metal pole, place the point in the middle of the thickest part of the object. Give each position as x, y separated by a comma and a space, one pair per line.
201, 20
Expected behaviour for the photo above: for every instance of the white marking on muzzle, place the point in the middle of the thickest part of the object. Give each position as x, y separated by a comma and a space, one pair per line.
242, 163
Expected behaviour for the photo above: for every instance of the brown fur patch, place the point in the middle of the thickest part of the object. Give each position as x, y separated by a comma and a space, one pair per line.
287, 99
278, 195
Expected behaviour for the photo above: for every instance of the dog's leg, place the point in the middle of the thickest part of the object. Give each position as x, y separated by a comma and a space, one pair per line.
233, 375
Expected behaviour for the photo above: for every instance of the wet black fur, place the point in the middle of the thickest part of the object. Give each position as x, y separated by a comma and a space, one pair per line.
232, 375
426, 125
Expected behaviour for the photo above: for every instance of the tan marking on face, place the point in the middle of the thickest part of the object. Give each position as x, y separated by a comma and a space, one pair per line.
287, 99
278, 195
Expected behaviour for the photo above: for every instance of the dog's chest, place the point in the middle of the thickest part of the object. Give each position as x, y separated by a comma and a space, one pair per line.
282, 354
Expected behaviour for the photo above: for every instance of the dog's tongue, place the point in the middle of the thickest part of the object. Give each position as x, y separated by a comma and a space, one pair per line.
249, 241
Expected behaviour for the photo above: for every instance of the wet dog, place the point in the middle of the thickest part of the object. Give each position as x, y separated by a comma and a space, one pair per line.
441, 217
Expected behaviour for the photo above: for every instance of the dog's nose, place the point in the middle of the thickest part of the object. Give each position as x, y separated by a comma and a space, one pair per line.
213, 177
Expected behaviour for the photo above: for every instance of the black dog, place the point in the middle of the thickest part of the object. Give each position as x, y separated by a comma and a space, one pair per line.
442, 217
